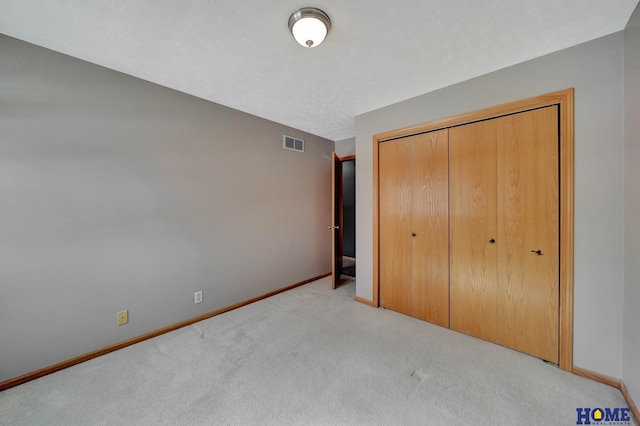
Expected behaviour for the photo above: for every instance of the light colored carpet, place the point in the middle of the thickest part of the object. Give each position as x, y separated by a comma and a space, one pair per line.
308, 356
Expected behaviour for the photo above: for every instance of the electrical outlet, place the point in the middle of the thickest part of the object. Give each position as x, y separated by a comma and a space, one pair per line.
197, 296
123, 317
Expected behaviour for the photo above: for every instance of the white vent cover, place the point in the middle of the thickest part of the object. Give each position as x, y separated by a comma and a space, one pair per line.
294, 144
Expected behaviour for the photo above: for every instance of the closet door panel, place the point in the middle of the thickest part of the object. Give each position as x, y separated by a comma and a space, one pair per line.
473, 258
430, 223
528, 220
394, 194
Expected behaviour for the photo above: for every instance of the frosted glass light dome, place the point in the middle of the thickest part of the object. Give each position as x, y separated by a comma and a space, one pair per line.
309, 26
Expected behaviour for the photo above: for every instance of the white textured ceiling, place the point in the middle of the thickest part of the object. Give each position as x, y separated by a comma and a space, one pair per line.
240, 53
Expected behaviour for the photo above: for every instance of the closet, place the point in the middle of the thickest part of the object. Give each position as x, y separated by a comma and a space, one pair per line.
469, 228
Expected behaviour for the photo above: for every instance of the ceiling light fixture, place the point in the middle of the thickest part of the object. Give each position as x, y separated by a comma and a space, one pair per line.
309, 26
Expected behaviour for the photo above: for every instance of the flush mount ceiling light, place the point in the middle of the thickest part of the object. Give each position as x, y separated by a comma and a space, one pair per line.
309, 26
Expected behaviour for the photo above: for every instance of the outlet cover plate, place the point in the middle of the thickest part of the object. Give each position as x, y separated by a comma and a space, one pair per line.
197, 296
123, 317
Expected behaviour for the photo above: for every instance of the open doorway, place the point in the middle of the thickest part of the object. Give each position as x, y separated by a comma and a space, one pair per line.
349, 216
343, 227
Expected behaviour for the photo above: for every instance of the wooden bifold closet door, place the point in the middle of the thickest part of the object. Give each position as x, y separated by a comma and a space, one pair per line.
469, 229
504, 231
474, 258
414, 236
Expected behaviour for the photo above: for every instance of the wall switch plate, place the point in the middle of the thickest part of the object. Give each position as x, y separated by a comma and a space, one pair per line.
197, 296
123, 317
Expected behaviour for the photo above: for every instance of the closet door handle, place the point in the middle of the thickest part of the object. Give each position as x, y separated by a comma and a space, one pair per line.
492, 241
413, 234
538, 252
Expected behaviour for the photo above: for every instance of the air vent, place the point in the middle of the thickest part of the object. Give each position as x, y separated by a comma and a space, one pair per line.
292, 143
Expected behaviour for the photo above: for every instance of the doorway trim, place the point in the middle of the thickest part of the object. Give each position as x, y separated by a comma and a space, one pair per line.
565, 101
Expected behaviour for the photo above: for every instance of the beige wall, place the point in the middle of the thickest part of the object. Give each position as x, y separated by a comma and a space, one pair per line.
346, 147
631, 354
117, 194
595, 70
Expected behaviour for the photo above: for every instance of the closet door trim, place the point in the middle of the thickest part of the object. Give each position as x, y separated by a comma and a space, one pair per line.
564, 100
